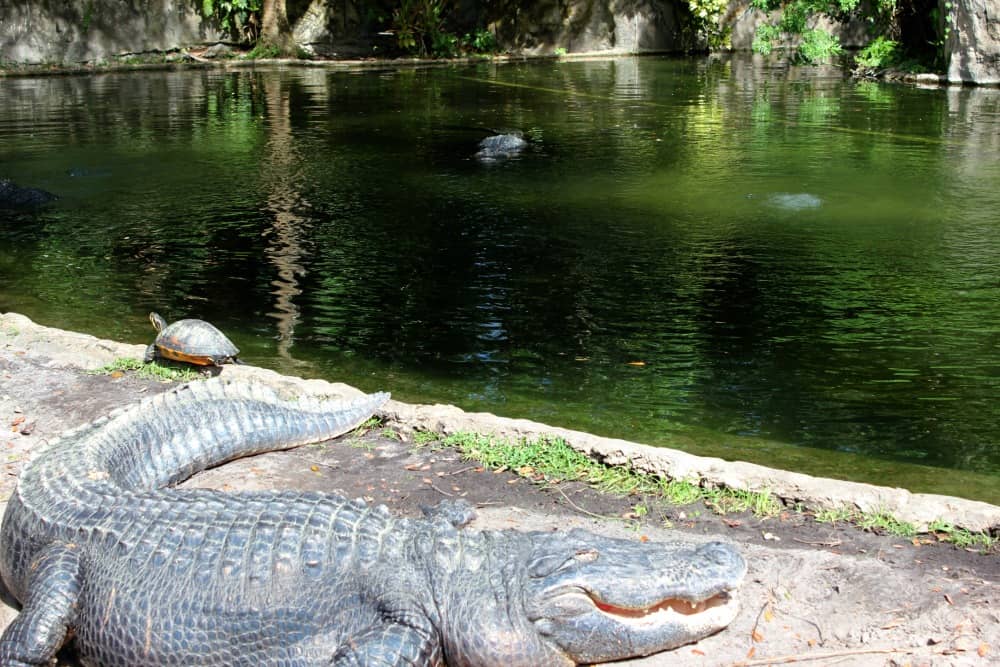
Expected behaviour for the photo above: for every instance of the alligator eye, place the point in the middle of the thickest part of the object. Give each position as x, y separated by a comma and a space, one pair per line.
546, 565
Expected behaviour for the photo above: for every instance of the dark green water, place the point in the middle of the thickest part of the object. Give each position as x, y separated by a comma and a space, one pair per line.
775, 265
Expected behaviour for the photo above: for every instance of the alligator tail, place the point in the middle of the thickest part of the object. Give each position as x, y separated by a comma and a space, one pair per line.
165, 439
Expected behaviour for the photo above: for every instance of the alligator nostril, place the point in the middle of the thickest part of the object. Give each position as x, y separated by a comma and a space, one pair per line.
721, 553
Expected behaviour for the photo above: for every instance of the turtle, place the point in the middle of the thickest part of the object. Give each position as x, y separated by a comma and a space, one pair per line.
190, 341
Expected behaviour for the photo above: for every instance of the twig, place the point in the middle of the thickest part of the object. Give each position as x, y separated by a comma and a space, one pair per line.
459, 472
441, 491
830, 543
578, 508
803, 657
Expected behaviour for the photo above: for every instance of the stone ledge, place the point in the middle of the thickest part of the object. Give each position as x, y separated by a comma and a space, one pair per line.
84, 351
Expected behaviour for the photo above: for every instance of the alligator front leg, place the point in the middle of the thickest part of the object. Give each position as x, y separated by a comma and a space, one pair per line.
390, 645
38, 632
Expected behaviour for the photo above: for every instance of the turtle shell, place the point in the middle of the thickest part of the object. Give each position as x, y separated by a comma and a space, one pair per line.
195, 342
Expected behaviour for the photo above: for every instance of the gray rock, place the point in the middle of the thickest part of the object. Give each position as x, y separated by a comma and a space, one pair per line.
973, 43
76, 31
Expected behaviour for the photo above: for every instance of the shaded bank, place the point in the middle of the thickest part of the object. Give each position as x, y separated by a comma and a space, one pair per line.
86, 31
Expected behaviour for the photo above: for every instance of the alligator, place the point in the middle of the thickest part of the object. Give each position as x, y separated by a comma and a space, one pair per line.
13, 196
102, 550
501, 146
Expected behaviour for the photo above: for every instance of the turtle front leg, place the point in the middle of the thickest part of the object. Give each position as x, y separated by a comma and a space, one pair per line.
150, 353
40, 630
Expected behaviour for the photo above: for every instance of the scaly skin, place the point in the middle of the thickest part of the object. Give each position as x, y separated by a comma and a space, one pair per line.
95, 547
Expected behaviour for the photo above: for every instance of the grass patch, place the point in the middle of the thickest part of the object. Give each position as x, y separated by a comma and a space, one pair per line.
554, 460
150, 371
962, 538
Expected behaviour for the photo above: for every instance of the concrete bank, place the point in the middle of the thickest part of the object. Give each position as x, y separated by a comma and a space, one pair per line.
71, 349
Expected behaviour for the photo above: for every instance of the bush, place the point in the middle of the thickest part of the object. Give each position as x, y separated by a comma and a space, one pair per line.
818, 46
882, 52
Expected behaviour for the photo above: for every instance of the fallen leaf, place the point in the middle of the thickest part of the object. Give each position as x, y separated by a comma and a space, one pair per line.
637, 363
697, 651
643, 538
756, 636
768, 614
28, 428
983, 649
314, 468
947, 598
732, 523
753, 649
412, 466
771, 537
117, 374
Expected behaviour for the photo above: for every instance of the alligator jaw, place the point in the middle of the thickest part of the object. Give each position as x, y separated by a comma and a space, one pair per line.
664, 608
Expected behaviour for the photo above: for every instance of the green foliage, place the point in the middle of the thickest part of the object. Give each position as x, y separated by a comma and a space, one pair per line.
481, 41
150, 371
262, 50
764, 38
815, 45
882, 52
818, 46
422, 28
88, 15
239, 17
705, 19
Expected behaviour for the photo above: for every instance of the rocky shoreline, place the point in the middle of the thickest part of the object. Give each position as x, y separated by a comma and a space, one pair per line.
809, 492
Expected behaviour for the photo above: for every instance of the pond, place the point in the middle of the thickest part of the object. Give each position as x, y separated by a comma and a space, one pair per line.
755, 262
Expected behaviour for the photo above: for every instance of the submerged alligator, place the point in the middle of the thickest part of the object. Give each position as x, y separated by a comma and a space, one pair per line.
501, 146
98, 548
14, 196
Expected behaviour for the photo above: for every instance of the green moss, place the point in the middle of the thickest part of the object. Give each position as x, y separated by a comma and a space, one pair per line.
153, 371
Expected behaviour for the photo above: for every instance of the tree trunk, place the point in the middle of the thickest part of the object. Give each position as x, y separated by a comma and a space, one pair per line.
275, 30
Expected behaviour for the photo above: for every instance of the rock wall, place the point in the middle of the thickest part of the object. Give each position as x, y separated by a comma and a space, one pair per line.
75, 31
742, 19
973, 41
584, 26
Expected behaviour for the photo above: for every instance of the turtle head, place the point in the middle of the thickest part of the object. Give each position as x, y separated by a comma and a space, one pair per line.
158, 322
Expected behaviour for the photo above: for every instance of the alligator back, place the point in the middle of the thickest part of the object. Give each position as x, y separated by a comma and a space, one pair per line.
86, 478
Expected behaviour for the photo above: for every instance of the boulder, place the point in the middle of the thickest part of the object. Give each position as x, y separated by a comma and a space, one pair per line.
972, 45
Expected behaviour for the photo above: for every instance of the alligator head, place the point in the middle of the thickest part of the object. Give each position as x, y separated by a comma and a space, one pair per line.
598, 599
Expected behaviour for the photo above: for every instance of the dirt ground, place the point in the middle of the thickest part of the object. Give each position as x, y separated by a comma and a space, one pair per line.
816, 594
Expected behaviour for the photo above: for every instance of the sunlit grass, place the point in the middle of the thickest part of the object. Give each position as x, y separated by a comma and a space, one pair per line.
553, 460
150, 371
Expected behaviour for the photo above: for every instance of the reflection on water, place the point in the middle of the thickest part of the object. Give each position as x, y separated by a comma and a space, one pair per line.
750, 262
